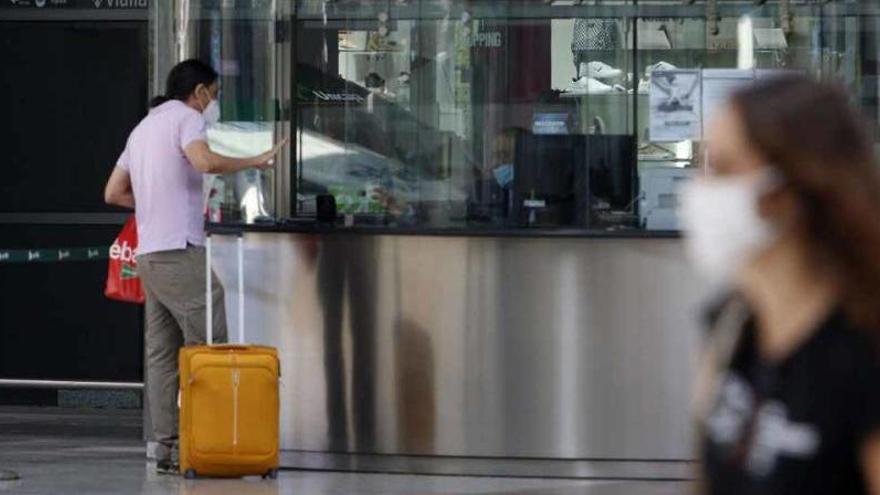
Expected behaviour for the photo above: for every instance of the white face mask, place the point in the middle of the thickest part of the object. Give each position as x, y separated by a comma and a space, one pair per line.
722, 224
212, 113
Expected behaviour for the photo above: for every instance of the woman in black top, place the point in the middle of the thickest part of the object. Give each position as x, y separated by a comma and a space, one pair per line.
788, 219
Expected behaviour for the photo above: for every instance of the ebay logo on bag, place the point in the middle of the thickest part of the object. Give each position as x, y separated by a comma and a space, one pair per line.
123, 283
123, 252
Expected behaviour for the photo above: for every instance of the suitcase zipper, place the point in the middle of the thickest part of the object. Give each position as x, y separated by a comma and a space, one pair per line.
236, 378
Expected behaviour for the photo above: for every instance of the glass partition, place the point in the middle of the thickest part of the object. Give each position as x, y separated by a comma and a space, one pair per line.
484, 115
241, 41
455, 114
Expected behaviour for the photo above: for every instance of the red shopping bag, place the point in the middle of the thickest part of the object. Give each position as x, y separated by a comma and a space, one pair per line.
123, 283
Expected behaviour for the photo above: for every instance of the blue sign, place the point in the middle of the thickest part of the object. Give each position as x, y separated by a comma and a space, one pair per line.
550, 123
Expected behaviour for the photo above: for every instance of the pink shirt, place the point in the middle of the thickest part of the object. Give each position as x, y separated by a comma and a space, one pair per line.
167, 189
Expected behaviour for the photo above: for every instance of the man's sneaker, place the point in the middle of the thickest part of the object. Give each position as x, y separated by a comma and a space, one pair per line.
599, 70
590, 86
167, 466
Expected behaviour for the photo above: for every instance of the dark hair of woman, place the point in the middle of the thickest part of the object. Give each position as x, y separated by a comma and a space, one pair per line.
183, 80
822, 149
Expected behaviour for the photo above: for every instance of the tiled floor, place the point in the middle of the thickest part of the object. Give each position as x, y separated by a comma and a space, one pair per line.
63, 452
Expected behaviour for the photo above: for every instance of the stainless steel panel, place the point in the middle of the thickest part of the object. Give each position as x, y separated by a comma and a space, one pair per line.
508, 347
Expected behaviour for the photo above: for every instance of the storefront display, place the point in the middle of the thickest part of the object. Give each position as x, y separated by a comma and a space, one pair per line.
404, 102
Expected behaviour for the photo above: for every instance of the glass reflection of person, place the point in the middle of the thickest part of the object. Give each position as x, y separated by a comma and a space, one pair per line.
346, 276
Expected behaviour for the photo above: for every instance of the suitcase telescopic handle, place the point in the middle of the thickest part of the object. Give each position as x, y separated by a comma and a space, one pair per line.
209, 292
209, 289
239, 243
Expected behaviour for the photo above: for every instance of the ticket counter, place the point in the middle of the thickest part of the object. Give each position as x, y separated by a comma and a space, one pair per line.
502, 280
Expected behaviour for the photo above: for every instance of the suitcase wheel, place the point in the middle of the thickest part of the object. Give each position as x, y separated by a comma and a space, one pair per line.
272, 475
190, 474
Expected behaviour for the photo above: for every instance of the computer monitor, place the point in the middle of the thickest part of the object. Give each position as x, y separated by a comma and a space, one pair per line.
612, 159
564, 180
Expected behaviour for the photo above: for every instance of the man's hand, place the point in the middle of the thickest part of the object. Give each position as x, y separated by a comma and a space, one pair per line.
267, 159
206, 161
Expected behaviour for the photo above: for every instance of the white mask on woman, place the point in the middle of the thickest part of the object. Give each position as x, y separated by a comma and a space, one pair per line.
722, 223
212, 112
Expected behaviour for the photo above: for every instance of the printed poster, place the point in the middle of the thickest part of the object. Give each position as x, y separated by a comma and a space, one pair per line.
675, 100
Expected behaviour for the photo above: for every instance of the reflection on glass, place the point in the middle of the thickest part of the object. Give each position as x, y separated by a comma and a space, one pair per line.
533, 114
245, 196
453, 114
238, 40
486, 114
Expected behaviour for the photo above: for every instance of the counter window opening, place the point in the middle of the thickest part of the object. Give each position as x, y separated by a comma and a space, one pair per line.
527, 116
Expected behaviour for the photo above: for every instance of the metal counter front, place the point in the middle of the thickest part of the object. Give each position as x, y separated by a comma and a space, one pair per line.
551, 348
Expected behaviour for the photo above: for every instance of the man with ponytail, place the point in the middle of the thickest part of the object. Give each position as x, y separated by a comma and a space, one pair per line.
159, 174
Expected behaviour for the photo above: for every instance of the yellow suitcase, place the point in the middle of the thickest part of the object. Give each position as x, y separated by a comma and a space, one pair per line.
229, 406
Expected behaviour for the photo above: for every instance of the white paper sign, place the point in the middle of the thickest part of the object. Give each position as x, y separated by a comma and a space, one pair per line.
675, 105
